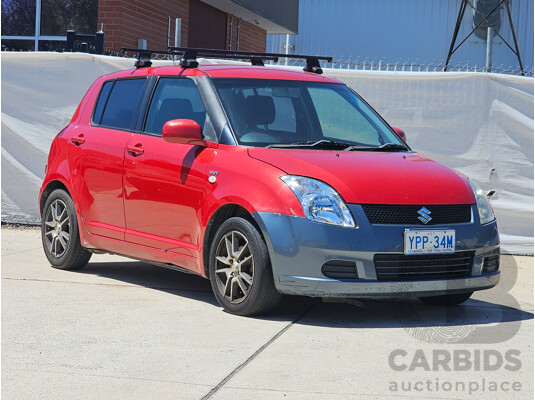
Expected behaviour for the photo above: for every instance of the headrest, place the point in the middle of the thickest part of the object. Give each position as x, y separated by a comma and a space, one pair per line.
176, 107
260, 110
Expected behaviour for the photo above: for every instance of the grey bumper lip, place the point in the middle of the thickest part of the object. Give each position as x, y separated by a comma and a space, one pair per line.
298, 248
325, 287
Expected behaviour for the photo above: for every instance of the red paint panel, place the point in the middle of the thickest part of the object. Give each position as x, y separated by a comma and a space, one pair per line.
164, 189
176, 243
248, 182
374, 177
142, 252
97, 177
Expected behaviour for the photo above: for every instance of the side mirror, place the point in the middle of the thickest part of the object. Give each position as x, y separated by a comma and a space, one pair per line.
185, 131
400, 134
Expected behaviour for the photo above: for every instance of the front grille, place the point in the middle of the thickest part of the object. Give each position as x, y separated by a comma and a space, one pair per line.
400, 267
408, 214
337, 269
491, 264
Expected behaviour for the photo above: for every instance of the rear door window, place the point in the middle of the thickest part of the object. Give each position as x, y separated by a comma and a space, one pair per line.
121, 104
174, 98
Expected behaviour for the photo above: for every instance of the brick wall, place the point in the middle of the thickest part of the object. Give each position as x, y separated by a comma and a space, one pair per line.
252, 38
125, 21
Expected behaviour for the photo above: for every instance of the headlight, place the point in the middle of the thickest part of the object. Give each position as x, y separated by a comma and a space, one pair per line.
320, 202
486, 214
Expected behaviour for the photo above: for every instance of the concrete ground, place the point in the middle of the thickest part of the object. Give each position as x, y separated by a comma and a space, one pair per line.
120, 329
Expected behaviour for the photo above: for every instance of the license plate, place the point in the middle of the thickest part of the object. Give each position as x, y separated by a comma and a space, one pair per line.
429, 242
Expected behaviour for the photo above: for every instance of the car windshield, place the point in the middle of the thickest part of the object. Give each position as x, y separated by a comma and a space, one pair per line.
283, 113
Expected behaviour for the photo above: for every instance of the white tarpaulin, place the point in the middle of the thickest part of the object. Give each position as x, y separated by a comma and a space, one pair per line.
479, 124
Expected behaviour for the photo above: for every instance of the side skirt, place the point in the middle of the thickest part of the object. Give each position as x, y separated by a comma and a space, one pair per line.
158, 264
164, 258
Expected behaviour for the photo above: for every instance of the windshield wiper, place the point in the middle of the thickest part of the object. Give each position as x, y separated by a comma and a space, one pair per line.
310, 143
384, 147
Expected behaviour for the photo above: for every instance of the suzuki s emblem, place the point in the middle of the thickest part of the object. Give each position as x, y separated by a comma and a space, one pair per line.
424, 215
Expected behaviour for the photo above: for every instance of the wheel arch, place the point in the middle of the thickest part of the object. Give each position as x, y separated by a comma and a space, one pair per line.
222, 214
48, 189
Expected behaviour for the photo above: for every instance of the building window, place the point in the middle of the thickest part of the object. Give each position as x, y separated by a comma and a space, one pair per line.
57, 16
18, 17
43, 24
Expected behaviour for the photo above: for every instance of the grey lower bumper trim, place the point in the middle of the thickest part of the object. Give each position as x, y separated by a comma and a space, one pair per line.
334, 288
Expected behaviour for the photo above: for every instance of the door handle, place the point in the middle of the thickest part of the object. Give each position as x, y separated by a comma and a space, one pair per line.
78, 140
136, 150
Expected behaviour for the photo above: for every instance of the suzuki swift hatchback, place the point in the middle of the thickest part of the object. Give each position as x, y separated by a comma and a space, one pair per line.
266, 182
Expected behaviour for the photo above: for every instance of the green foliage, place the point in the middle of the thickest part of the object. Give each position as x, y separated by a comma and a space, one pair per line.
18, 17
60, 15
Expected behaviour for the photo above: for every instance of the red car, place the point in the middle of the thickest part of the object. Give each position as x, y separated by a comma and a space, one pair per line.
266, 182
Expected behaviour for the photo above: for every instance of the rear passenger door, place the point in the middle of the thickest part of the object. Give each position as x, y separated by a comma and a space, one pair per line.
165, 182
96, 154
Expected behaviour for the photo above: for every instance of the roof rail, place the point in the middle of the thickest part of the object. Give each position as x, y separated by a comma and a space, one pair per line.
190, 54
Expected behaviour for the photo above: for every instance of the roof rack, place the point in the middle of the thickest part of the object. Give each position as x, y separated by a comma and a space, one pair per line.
190, 54
143, 56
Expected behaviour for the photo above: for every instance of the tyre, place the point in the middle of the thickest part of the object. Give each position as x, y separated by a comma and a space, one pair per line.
240, 269
59, 233
447, 299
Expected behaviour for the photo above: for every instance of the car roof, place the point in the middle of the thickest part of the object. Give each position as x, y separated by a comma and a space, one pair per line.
226, 71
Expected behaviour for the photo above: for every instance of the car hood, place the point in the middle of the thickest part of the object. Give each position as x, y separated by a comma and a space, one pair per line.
374, 177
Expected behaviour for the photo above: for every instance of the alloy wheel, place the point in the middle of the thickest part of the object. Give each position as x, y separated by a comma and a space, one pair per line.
234, 267
57, 228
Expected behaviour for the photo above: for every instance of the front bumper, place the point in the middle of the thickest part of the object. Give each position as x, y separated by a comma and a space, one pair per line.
299, 247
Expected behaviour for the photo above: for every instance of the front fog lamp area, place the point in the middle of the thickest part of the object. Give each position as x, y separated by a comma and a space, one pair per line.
320, 202
486, 214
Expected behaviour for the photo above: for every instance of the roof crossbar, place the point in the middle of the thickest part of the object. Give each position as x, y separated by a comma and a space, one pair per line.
190, 54
143, 56
312, 62
189, 57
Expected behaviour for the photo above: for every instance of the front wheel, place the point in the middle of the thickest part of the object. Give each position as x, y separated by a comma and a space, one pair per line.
59, 233
447, 299
240, 269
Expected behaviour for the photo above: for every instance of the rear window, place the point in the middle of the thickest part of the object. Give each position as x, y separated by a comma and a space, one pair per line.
118, 108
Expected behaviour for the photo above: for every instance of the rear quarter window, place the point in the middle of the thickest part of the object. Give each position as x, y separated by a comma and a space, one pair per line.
101, 102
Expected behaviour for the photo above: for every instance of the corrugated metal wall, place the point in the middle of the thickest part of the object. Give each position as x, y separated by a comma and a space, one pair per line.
403, 32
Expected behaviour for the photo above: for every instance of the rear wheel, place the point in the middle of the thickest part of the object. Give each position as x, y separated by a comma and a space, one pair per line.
240, 270
447, 299
59, 233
